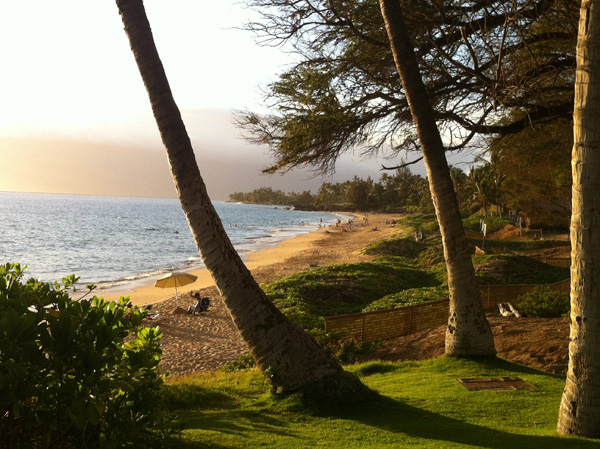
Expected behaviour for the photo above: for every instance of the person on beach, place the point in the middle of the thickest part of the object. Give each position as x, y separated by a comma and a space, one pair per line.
195, 307
202, 304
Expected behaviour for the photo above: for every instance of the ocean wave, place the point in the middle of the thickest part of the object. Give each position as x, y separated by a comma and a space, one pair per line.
141, 245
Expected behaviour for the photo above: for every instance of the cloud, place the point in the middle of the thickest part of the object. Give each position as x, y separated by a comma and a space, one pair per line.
129, 160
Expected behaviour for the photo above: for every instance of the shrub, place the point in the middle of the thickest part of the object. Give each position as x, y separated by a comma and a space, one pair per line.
347, 350
245, 361
74, 373
543, 302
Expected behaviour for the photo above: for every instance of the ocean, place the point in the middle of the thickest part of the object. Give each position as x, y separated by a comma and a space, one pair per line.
115, 241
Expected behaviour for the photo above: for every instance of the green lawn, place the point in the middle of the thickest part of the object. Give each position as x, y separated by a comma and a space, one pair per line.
421, 406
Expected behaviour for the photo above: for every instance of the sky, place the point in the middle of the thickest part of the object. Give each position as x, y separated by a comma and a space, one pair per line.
74, 114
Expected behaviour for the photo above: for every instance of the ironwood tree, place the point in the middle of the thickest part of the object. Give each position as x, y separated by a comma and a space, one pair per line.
490, 67
536, 166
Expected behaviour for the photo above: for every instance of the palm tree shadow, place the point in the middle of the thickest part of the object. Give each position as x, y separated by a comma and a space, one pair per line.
397, 417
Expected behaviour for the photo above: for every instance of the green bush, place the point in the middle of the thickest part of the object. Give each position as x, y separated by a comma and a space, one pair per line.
345, 350
74, 373
543, 302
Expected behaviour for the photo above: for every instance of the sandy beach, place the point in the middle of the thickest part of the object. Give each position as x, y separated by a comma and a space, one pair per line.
146, 293
206, 342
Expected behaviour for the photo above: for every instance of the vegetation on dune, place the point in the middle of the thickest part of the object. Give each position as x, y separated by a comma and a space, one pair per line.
508, 269
308, 296
419, 222
493, 223
501, 246
403, 272
402, 246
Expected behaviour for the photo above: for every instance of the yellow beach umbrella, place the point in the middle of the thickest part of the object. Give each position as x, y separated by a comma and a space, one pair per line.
175, 279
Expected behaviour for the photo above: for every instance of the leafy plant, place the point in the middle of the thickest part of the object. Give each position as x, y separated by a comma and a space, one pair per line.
74, 373
543, 302
245, 361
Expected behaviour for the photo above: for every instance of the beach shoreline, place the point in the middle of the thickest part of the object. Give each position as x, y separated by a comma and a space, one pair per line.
143, 292
205, 342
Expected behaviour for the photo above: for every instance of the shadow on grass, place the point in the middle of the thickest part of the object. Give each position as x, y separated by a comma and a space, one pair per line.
497, 364
238, 424
412, 425
396, 417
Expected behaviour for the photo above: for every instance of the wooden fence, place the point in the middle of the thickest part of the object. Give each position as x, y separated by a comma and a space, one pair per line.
385, 324
557, 261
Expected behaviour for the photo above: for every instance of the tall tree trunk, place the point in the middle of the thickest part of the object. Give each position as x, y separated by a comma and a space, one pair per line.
468, 332
579, 412
290, 356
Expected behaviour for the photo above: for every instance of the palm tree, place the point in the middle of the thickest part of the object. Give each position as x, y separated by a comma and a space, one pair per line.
289, 355
481, 188
580, 405
468, 332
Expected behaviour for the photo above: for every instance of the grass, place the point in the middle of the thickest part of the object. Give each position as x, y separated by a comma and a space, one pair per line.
421, 406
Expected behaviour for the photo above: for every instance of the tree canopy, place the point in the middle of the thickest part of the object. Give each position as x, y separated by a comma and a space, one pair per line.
491, 67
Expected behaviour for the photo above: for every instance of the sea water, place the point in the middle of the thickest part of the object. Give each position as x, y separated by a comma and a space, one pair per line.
113, 241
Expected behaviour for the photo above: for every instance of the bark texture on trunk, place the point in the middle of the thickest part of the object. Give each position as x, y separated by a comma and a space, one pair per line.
579, 412
288, 354
468, 332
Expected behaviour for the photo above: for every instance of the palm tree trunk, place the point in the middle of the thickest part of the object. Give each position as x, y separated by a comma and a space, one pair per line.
468, 332
580, 406
288, 354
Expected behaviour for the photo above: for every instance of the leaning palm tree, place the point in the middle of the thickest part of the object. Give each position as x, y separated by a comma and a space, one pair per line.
580, 405
468, 332
289, 355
